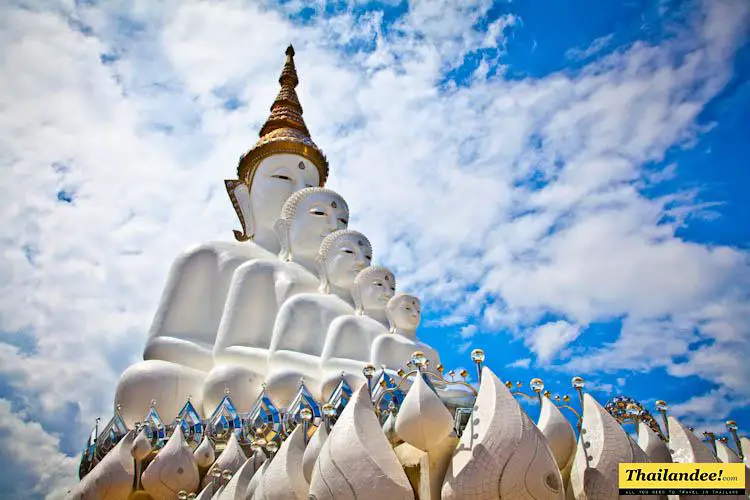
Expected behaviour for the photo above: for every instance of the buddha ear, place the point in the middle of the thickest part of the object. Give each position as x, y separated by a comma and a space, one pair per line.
281, 227
239, 194
320, 265
389, 315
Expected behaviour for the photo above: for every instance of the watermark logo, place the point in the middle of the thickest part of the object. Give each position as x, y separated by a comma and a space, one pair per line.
682, 479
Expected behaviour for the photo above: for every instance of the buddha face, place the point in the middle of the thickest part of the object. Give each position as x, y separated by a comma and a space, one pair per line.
346, 258
275, 179
317, 216
377, 290
405, 313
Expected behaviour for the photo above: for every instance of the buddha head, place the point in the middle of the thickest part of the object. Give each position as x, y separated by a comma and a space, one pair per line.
258, 199
342, 255
404, 312
307, 217
373, 288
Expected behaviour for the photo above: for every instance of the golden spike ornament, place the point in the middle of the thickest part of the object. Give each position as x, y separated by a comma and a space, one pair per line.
284, 132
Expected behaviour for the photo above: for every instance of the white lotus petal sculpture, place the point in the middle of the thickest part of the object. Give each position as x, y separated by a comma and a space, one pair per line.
284, 479
204, 454
389, 429
650, 442
141, 446
173, 469
237, 486
206, 493
112, 478
312, 451
559, 434
685, 446
423, 420
602, 446
726, 454
252, 486
231, 459
501, 454
357, 461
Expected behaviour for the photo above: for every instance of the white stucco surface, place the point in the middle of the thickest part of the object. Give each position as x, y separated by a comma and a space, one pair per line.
685, 446
357, 461
284, 478
423, 421
656, 449
204, 453
501, 453
231, 459
607, 445
112, 478
558, 432
169, 384
312, 451
173, 469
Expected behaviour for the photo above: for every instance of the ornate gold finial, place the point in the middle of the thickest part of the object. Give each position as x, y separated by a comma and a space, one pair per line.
285, 130
286, 111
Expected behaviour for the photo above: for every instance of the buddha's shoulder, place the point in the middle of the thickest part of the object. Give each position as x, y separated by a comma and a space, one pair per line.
389, 338
357, 322
318, 301
345, 321
223, 250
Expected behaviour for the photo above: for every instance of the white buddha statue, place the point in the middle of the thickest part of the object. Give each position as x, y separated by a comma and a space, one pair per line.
300, 330
284, 161
260, 287
394, 348
187, 319
181, 340
350, 337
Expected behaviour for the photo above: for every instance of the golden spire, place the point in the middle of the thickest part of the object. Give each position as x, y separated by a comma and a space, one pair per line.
285, 130
286, 111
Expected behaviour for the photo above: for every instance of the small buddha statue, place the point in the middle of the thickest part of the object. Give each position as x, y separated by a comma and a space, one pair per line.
394, 348
350, 337
299, 333
260, 287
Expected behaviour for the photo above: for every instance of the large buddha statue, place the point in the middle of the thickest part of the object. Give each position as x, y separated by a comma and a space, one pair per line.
350, 337
300, 330
260, 287
186, 322
282, 162
179, 350
395, 347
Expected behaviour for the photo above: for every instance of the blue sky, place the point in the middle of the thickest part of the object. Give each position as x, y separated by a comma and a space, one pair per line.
563, 184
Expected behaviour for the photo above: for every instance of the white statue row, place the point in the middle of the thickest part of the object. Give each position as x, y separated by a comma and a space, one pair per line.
298, 300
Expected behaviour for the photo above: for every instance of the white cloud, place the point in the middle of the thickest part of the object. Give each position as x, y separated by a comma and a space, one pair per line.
593, 48
707, 411
597, 386
439, 180
467, 331
549, 339
33, 466
463, 347
520, 363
